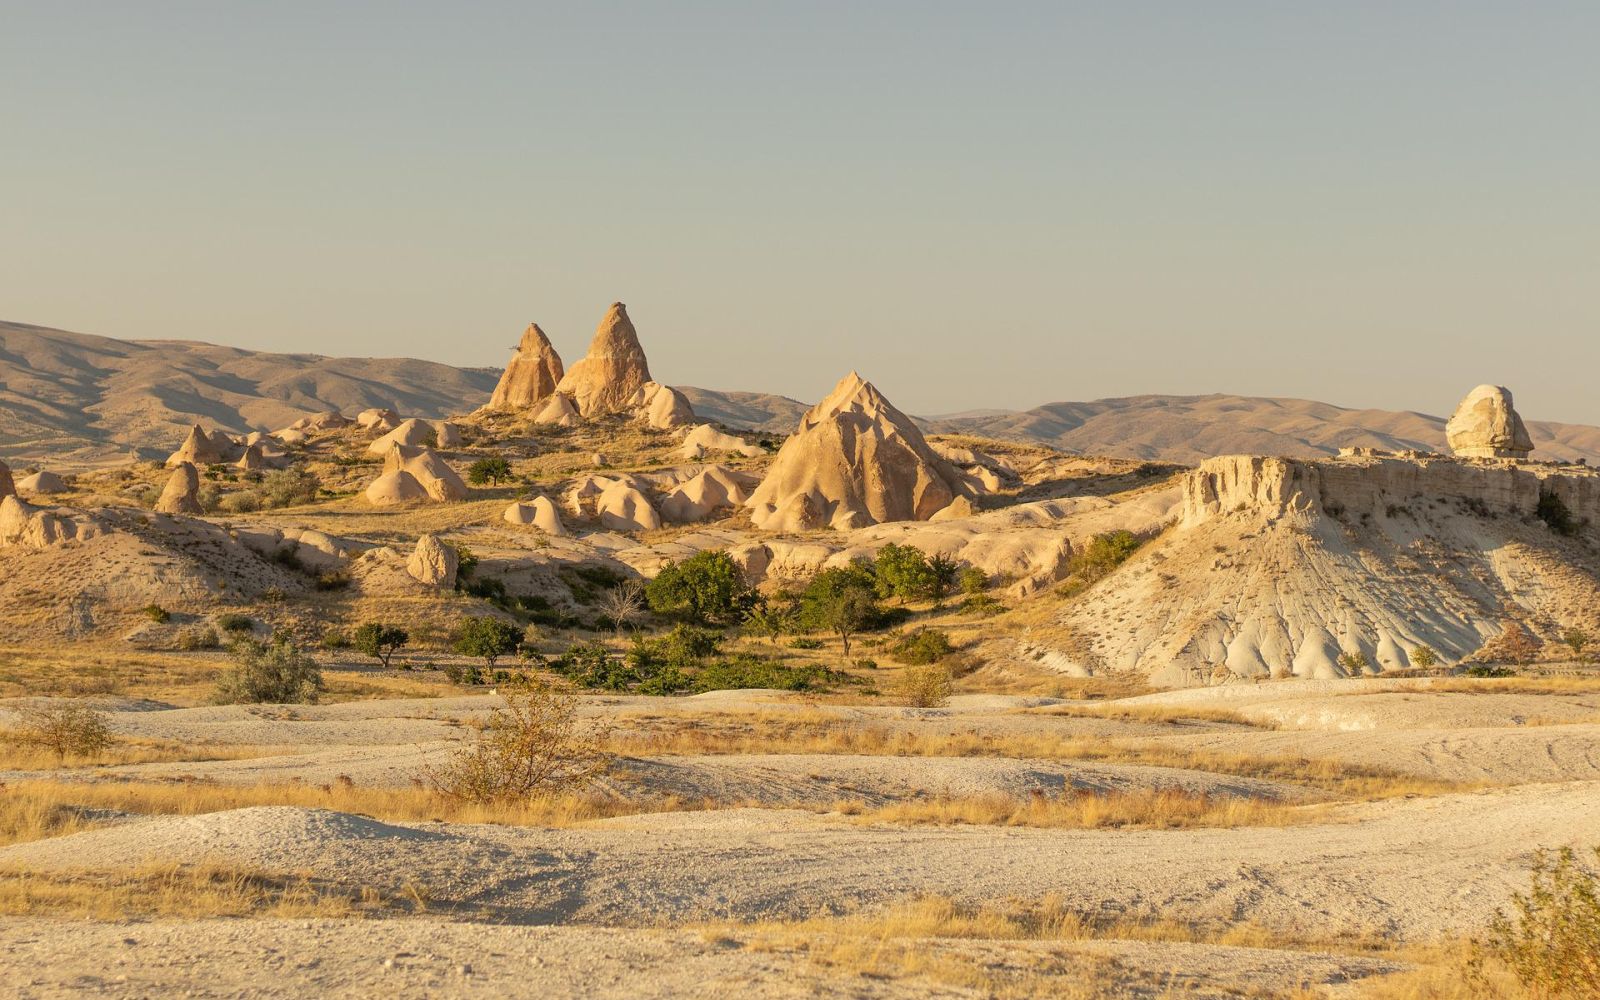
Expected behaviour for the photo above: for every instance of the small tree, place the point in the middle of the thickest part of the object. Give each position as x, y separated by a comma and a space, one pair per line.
1354, 664
488, 637
1424, 657
289, 487
535, 745
942, 574
1576, 639
925, 686
973, 581
277, 672
63, 729
708, 588
841, 600
769, 619
489, 470
902, 572
623, 605
380, 640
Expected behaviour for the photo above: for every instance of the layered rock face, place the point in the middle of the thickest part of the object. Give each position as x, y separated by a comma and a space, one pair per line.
1486, 425
855, 461
533, 374
605, 379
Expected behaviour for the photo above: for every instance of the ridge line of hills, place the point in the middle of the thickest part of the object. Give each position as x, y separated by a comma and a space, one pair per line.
85, 398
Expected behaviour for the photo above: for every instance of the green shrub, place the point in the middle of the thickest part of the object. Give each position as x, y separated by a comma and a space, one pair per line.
332, 580
1551, 940
157, 614
1552, 510
487, 637
380, 640
488, 470
289, 487
926, 685
708, 588
1354, 664
983, 604
62, 729
1424, 657
334, 638
1488, 670
535, 745
235, 622
805, 642
198, 637
922, 647
841, 600
902, 572
746, 670
973, 580
242, 502
276, 671
1576, 639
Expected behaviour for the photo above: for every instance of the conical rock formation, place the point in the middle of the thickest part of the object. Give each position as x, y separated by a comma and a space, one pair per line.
182, 492
540, 512
42, 483
1486, 425
7, 487
433, 562
661, 406
855, 460
432, 472
532, 375
614, 369
200, 448
707, 440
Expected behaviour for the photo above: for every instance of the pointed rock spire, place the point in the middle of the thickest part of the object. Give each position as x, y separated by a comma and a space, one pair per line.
607, 377
531, 376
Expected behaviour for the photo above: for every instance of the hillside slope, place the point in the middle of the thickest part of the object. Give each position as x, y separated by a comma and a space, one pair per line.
71, 393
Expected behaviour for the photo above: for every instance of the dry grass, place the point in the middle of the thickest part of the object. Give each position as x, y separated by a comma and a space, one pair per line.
203, 890
820, 732
72, 670
36, 809
1158, 714
1506, 685
24, 758
1169, 809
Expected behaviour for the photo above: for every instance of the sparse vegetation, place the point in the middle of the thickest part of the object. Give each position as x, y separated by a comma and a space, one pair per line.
921, 647
925, 686
1424, 658
1551, 939
1553, 511
708, 588
289, 487
235, 623
63, 729
1098, 559
623, 605
1354, 663
534, 746
157, 613
1577, 640
487, 637
489, 471
276, 671
198, 637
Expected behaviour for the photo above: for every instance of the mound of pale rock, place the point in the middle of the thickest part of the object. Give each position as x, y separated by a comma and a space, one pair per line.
540, 513
182, 492
532, 376
661, 406
378, 419
252, 459
200, 448
31, 527
714, 489
606, 378
559, 411
855, 460
395, 487
1486, 425
433, 562
424, 465
42, 483
414, 433
706, 440
329, 420
621, 507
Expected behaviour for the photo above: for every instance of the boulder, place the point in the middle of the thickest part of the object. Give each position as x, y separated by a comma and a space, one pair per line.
288, 436
445, 434
532, 375
433, 563
607, 377
706, 440
41, 483
1486, 425
253, 458
713, 490
425, 465
377, 417
540, 512
620, 507
328, 420
558, 410
855, 460
412, 433
32, 527
662, 407
182, 492
394, 487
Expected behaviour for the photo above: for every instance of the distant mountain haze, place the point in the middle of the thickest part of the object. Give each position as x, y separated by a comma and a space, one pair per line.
73, 397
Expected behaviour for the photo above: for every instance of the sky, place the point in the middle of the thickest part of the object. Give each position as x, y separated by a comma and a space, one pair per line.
975, 205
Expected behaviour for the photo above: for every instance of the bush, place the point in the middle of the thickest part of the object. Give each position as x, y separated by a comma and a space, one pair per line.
1096, 560
983, 604
277, 672
380, 640
289, 487
592, 665
1554, 513
805, 642
534, 746
488, 470
1424, 657
242, 502
198, 637
62, 730
841, 600
922, 647
334, 638
332, 580
235, 622
1576, 639
746, 670
487, 637
157, 613
973, 580
708, 588
902, 572
1551, 942
925, 686
1354, 664
1485, 670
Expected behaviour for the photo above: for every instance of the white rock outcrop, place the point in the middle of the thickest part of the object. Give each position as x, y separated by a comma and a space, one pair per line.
540, 513
1486, 425
706, 441
42, 483
433, 563
182, 492
614, 368
532, 375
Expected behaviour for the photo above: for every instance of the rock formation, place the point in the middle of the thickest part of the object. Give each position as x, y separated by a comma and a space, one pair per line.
621, 507
706, 440
559, 411
606, 378
252, 459
532, 376
434, 563
7, 487
329, 420
182, 492
200, 448
378, 419
412, 433
32, 527
437, 479
1486, 425
540, 513
661, 406
445, 434
398, 486
42, 483
714, 489
855, 460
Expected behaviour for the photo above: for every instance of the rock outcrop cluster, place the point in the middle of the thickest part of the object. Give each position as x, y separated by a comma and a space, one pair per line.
1486, 425
855, 460
415, 473
532, 375
607, 377
201, 448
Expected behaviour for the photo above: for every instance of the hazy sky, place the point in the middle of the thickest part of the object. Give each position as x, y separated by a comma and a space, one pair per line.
975, 204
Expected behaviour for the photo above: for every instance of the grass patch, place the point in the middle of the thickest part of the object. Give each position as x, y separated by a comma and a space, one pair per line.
1170, 809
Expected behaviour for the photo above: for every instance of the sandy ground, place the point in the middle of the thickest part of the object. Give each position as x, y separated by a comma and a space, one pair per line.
620, 907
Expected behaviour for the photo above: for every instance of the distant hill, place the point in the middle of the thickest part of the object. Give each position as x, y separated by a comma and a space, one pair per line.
71, 393
80, 396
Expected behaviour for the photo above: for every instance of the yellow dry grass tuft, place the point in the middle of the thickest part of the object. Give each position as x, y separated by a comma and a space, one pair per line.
1169, 809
